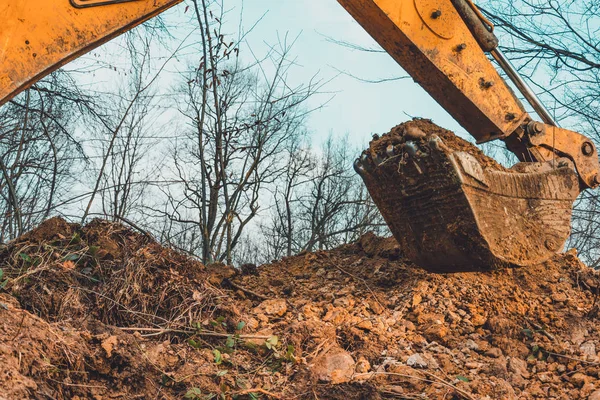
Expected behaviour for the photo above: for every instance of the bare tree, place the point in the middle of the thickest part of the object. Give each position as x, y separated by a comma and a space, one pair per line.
337, 208
555, 45
38, 151
320, 203
128, 172
239, 116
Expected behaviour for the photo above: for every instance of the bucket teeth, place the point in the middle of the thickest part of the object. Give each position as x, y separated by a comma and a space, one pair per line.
358, 167
453, 209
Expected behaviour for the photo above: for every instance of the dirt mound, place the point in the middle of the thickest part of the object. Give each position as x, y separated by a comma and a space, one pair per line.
102, 312
420, 126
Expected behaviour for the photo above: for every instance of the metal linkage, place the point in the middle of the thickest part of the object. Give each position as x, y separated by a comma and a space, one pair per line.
515, 77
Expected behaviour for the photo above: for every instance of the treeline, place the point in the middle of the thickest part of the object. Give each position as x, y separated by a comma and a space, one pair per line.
217, 163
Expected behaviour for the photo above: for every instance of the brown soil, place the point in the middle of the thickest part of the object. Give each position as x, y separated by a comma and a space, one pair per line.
396, 136
102, 312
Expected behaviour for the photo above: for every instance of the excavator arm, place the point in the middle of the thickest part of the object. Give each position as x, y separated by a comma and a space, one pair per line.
39, 36
441, 44
448, 209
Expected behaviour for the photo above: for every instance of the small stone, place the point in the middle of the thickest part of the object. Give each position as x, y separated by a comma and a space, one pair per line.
494, 352
559, 297
471, 345
588, 349
595, 395
273, 307
336, 366
362, 366
416, 300
365, 324
580, 379
416, 361
473, 365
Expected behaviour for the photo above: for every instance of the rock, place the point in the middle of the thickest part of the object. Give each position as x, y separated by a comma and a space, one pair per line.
518, 366
416, 300
494, 352
273, 307
594, 395
559, 297
345, 301
578, 379
416, 361
362, 366
471, 345
336, 366
588, 349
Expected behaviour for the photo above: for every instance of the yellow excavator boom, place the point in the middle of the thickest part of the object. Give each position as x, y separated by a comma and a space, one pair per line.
39, 36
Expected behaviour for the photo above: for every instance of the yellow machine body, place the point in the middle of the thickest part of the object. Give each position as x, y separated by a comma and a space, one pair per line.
39, 36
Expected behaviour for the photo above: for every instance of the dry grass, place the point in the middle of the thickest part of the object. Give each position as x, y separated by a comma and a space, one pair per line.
61, 271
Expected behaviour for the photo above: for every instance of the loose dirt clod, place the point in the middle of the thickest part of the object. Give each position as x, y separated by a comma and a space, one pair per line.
103, 312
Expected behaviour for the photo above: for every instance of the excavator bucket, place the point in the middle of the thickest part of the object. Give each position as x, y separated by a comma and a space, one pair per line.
451, 208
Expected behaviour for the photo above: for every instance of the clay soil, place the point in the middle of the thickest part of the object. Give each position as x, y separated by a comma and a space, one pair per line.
104, 312
396, 136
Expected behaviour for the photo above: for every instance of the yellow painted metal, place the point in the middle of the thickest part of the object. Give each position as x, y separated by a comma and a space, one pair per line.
39, 36
432, 43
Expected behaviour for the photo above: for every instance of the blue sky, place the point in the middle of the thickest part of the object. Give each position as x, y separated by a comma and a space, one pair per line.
357, 108
353, 107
